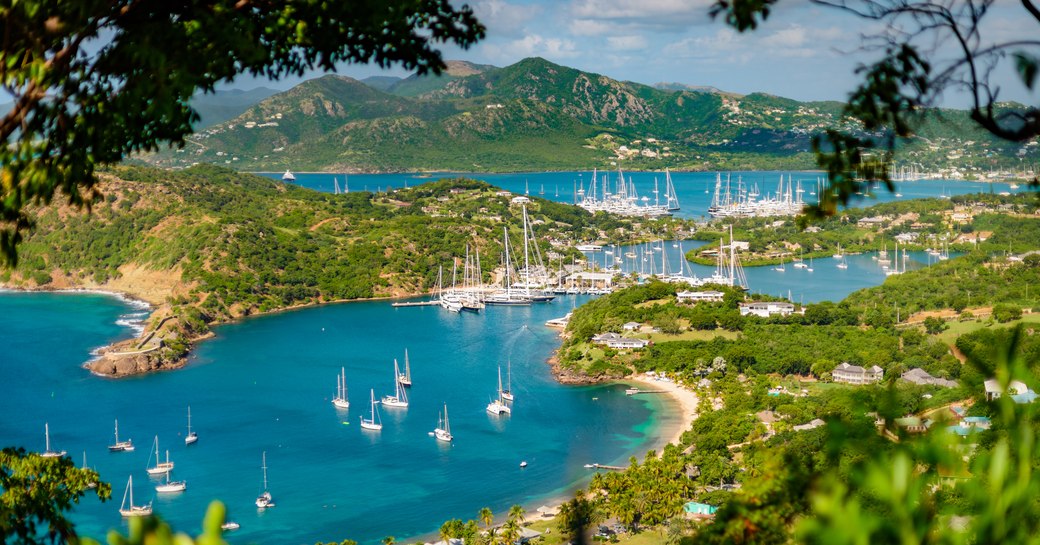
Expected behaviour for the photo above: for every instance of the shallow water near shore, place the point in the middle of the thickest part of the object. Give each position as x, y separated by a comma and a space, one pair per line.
265, 384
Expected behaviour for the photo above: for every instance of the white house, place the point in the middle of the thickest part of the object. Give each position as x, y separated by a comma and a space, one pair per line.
767, 309
854, 374
613, 340
698, 296
631, 326
1016, 388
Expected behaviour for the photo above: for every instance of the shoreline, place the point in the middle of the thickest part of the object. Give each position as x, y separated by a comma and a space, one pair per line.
685, 403
680, 417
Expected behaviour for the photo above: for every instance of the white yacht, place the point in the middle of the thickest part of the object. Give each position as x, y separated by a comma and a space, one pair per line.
340, 401
498, 406
171, 486
160, 467
48, 453
264, 500
400, 399
443, 430
288, 176
373, 422
192, 437
132, 510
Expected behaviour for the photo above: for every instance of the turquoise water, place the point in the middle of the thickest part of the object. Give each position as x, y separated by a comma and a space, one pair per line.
826, 282
265, 384
694, 189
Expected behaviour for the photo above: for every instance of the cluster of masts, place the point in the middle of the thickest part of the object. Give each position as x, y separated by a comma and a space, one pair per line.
501, 404
746, 202
728, 271
624, 200
523, 282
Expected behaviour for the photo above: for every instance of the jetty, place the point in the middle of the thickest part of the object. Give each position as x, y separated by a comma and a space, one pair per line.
414, 303
634, 391
602, 466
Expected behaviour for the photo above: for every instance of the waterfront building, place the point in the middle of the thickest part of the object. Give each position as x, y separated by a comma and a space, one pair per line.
709, 296
765, 309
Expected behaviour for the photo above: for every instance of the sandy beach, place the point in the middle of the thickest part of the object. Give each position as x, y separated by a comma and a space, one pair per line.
672, 429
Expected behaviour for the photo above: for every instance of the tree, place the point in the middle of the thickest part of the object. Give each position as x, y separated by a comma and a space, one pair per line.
915, 70
486, 516
37, 492
94, 81
934, 325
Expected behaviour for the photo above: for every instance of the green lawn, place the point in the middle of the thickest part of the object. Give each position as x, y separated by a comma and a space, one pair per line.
958, 328
696, 335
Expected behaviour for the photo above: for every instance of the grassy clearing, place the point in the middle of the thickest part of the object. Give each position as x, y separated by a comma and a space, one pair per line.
960, 328
696, 335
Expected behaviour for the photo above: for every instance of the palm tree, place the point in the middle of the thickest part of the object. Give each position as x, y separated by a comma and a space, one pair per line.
486, 516
516, 513
510, 531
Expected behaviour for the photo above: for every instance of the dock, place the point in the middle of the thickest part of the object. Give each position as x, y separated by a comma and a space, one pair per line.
602, 466
415, 303
634, 391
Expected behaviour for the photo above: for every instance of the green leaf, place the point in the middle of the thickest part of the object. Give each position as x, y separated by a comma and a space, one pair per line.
1027, 67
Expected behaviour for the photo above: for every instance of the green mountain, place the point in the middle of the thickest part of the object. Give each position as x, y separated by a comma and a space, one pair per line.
416, 85
221, 106
536, 115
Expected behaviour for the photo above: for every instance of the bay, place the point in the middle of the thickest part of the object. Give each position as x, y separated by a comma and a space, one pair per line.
694, 189
265, 384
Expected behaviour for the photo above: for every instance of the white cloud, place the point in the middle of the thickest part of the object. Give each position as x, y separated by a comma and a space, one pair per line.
531, 45
503, 18
654, 12
626, 43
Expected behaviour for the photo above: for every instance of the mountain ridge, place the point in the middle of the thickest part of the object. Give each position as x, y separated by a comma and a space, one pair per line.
559, 116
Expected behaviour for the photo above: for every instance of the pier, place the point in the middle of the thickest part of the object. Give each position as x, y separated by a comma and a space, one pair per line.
601, 466
634, 391
415, 303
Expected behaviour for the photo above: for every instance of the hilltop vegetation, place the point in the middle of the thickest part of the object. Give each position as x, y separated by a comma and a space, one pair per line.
536, 115
215, 245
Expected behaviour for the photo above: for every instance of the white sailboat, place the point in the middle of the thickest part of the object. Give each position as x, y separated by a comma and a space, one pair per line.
170, 487
507, 393
443, 430
405, 378
48, 453
498, 406
160, 467
340, 401
800, 264
373, 422
192, 437
121, 446
264, 500
91, 484
809, 268
843, 264
400, 399
133, 510
780, 267
839, 254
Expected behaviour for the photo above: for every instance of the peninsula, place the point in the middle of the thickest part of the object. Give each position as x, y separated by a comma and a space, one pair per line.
207, 245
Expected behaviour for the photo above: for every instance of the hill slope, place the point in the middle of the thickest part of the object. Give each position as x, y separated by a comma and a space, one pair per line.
536, 115
208, 244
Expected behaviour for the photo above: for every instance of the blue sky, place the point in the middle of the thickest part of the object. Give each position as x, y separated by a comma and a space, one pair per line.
804, 51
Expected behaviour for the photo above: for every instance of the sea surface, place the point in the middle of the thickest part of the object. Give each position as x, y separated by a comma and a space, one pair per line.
265, 384
694, 189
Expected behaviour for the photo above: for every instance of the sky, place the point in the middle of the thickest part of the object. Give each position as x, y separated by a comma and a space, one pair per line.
804, 51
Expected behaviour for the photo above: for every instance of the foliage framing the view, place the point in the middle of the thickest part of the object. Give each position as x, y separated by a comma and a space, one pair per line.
912, 74
94, 80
